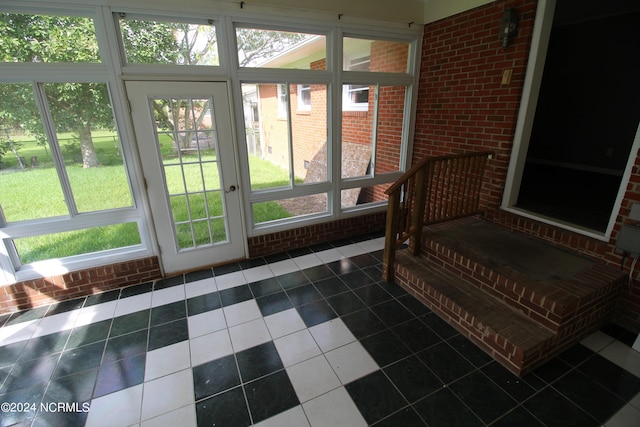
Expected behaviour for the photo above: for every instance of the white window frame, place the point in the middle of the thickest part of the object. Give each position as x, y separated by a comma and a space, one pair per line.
354, 62
304, 97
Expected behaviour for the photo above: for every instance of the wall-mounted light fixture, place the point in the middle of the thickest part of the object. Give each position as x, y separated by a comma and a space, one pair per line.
508, 26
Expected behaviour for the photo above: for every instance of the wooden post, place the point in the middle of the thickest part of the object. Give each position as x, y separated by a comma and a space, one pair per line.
389, 256
417, 216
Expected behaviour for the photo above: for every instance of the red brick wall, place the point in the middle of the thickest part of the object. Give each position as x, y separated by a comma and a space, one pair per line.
463, 106
49, 290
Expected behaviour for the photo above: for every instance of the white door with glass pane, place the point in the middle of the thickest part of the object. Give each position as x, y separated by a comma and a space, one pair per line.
186, 143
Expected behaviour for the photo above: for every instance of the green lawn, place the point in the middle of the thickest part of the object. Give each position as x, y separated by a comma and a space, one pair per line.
35, 193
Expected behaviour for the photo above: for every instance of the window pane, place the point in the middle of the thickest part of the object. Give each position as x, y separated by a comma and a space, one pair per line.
309, 131
43, 38
375, 55
288, 208
79, 242
391, 103
280, 49
357, 137
359, 196
90, 146
157, 42
29, 181
267, 138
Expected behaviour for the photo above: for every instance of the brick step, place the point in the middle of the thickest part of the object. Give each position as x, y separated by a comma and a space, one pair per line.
507, 335
549, 285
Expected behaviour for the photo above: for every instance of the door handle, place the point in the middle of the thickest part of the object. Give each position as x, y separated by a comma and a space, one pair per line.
231, 189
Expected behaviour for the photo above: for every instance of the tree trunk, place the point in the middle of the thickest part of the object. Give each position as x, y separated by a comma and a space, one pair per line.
89, 157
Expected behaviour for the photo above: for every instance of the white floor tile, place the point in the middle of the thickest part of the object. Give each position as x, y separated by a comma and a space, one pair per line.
132, 304
121, 408
249, 335
209, 347
167, 360
312, 378
200, 287
167, 393
242, 312
351, 250
294, 417
56, 323
307, 261
623, 356
351, 362
284, 323
96, 313
372, 245
335, 409
167, 295
297, 347
257, 273
330, 255
205, 323
283, 267
230, 280
18, 332
628, 416
597, 341
183, 417
332, 334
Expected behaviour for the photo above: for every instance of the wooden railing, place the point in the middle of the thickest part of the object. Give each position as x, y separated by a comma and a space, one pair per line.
435, 189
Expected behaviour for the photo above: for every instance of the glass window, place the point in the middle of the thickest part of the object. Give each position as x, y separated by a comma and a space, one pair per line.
264, 212
283, 105
355, 197
47, 38
280, 49
163, 42
304, 97
375, 55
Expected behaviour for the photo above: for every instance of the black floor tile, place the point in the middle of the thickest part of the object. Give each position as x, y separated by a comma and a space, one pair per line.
316, 313
194, 276
356, 279
27, 374
385, 347
226, 269
444, 409
270, 395
121, 374
43, 346
65, 306
412, 378
488, 401
203, 303
576, 355
11, 352
168, 313
277, 257
74, 418
392, 313
445, 362
258, 361
363, 323
27, 315
364, 260
25, 395
342, 266
265, 287
439, 326
552, 370
469, 351
517, 388
414, 305
594, 399
611, 376
125, 346
130, 323
80, 359
318, 272
553, 409
331, 286
77, 387
168, 334
274, 303
416, 335
518, 417
136, 290
345, 303
375, 396
404, 418
252, 262
102, 298
226, 409
293, 279
235, 295
304, 295
88, 334
169, 282
372, 294
215, 377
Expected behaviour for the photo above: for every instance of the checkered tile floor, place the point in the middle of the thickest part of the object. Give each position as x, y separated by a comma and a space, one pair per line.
311, 338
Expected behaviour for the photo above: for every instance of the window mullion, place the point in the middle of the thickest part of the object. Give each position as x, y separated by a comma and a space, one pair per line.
58, 160
287, 91
374, 130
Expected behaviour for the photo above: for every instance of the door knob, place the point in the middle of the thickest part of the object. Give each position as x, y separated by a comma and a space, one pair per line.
231, 189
